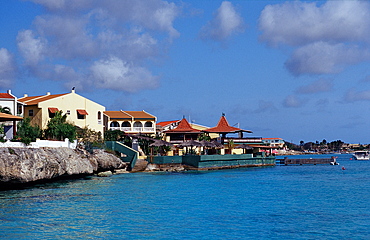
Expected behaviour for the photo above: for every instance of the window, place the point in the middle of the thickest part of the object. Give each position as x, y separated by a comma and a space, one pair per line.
19, 110
81, 114
114, 124
126, 124
138, 124
30, 113
148, 124
52, 112
99, 115
68, 112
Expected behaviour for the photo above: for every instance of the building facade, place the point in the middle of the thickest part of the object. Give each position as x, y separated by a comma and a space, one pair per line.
10, 102
80, 111
131, 122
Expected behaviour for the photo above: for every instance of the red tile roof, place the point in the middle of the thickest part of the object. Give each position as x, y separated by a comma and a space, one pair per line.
129, 115
8, 117
37, 99
224, 127
140, 114
184, 127
165, 123
6, 95
117, 114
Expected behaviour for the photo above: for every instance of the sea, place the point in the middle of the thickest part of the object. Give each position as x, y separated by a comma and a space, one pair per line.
281, 202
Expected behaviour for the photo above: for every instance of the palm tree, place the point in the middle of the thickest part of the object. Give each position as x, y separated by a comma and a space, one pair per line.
5, 110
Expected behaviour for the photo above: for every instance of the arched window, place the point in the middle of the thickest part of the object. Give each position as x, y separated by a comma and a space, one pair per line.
99, 115
148, 124
138, 124
126, 124
114, 124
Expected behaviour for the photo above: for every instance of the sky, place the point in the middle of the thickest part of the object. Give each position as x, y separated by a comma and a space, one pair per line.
297, 70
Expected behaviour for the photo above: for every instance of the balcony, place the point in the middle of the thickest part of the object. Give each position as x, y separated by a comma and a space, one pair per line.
134, 129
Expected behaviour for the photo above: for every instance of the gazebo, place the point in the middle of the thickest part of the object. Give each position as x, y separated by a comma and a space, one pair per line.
224, 128
182, 132
4, 117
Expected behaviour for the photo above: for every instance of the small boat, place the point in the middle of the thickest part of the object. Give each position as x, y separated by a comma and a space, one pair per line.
361, 155
334, 162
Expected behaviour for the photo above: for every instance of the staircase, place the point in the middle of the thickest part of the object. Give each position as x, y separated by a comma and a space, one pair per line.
127, 154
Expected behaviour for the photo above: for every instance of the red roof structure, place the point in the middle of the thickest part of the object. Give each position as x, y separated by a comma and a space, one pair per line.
183, 127
6, 95
165, 123
224, 127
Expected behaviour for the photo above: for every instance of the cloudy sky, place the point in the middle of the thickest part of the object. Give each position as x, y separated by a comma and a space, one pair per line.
299, 70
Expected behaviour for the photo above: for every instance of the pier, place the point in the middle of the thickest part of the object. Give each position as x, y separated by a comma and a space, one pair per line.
301, 161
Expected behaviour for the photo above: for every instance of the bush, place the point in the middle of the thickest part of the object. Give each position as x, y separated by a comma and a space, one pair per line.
59, 129
26, 132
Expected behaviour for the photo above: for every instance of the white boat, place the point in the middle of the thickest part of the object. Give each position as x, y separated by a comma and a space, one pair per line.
361, 155
334, 162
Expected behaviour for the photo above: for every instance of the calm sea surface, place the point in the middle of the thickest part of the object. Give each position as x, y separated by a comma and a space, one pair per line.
282, 202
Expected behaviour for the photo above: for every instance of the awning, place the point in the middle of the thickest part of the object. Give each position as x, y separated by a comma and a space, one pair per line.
53, 110
82, 112
8, 117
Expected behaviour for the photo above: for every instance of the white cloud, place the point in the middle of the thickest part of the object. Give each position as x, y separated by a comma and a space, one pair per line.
325, 37
293, 101
320, 85
324, 58
226, 22
353, 95
114, 73
299, 23
265, 106
31, 48
7, 68
67, 42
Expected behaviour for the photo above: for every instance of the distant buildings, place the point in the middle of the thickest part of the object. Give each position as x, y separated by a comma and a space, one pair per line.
83, 112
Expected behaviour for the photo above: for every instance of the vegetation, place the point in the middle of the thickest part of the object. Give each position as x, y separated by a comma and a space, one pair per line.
90, 138
5, 110
205, 137
114, 135
59, 129
323, 146
2, 133
26, 132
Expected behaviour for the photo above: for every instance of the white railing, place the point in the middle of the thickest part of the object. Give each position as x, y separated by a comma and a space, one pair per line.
134, 129
41, 143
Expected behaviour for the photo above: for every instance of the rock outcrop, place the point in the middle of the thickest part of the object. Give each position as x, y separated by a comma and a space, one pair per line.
25, 165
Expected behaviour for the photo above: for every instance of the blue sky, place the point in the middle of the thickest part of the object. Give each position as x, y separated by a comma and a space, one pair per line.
298, 70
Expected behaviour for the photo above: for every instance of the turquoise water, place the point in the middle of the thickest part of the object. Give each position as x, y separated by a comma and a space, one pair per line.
282, 202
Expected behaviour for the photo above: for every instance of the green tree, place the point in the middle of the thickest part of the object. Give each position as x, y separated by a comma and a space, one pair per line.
90, 138
26, 132
58, 128
2, 133
5, 110
114, 135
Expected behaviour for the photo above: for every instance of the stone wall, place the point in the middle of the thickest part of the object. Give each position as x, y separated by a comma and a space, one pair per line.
25, 165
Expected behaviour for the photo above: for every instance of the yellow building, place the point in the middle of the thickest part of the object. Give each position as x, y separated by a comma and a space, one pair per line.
80, 111
131, 122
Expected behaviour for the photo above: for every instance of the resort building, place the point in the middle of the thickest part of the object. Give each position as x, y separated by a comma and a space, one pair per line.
168, 125
80, 111
183, 132
274, 142
10, 105
130, 122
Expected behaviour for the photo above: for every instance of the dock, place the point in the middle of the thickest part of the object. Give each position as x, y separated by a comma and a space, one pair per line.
301, 161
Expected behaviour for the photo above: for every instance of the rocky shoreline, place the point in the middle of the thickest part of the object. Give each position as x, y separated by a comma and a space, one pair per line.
25, 166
